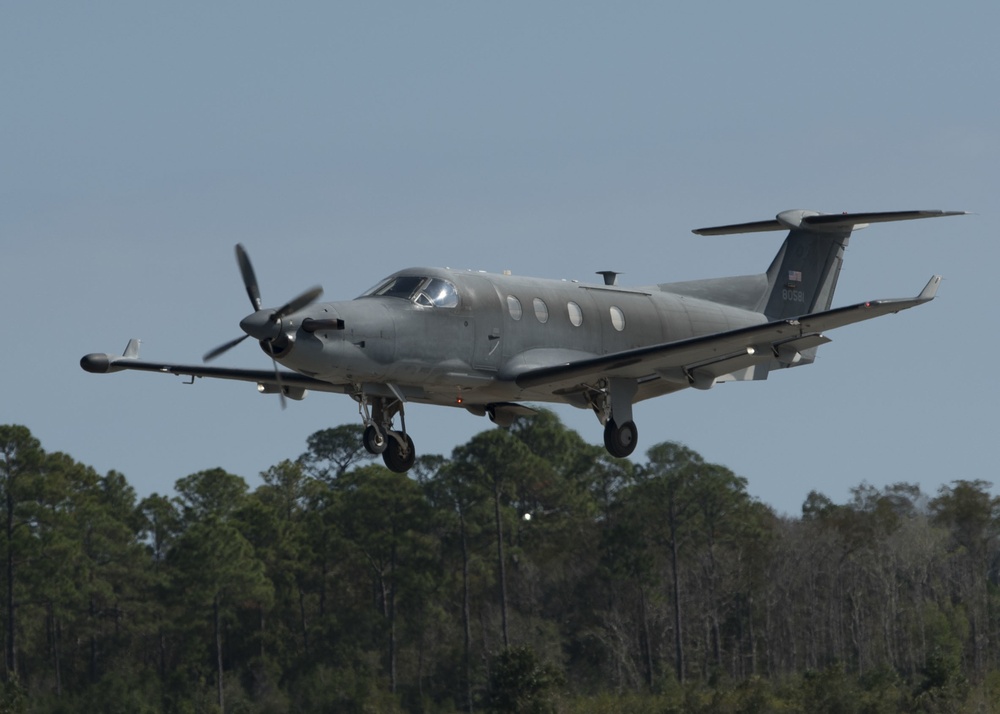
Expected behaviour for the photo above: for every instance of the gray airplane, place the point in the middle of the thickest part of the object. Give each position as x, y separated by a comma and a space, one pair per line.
489, 343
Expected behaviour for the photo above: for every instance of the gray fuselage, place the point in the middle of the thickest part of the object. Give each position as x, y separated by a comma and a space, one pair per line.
470, 352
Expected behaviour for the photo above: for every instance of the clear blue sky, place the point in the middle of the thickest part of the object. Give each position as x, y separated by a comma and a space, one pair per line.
342, 141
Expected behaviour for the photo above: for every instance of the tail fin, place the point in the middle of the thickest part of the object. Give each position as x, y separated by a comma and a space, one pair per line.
803, 275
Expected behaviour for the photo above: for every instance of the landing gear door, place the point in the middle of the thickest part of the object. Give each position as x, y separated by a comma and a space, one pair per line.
486, 311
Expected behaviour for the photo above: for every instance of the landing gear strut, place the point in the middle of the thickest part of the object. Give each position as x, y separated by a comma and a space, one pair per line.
611, 400
396, 447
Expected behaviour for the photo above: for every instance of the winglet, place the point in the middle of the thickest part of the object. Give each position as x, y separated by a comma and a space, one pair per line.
930, 290
132, 349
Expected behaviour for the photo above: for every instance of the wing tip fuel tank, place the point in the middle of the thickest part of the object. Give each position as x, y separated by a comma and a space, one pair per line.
103, 363
96, 363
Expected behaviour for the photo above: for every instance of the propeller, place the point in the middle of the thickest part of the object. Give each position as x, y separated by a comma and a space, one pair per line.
212, 354
264, 325
249, 279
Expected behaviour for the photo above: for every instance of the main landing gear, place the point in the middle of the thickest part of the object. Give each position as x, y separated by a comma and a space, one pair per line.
611, 400
395, 447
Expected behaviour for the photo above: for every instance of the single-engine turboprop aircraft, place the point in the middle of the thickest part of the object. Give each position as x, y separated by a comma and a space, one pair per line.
490, 343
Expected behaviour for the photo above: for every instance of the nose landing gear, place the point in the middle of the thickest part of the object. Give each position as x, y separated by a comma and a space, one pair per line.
395, 447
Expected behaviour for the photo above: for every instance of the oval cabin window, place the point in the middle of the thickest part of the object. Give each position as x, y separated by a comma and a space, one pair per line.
541, 310
617, 318
575, 314
514, 307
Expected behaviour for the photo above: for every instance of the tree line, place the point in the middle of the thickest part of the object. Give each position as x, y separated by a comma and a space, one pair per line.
528, 571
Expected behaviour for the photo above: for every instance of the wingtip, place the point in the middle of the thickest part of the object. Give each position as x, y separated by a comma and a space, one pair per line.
102, 363
930, 290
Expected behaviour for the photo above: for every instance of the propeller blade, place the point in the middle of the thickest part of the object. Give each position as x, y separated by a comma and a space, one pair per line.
209, 356
277, 376
297, 303
249, 279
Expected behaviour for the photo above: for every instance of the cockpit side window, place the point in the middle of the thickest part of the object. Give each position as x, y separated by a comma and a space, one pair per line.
438, 293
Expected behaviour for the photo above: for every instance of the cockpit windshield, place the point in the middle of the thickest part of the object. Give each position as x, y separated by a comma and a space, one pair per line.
402, 287
429, 292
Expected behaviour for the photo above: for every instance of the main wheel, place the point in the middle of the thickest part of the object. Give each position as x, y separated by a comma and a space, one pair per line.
620, 441
394, 458
374, 440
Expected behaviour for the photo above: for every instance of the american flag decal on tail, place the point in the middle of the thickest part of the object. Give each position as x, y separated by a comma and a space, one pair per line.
795, 276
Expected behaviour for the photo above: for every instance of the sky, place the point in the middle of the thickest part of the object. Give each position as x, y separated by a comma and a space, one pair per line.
340, 142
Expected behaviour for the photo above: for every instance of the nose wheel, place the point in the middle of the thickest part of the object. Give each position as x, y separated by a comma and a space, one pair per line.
399, 453
374, 441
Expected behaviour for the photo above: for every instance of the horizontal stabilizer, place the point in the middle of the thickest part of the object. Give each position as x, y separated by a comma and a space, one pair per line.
811, 220
754, 227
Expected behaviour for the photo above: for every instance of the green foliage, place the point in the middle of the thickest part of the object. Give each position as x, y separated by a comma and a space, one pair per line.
333, 451
831, 691
521, 684
13, 697
336, 585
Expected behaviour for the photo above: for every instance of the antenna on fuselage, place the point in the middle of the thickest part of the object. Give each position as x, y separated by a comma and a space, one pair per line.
610, 276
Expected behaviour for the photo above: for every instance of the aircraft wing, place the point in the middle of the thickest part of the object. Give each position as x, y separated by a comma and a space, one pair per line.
102, 363
703, 359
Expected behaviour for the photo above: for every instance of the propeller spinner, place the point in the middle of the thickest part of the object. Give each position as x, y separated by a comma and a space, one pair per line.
264, 325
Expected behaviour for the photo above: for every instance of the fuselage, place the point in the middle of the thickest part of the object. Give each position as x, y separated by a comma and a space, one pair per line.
461, 338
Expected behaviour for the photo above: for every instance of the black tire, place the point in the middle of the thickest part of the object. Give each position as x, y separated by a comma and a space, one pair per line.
393, 456
373, 441
620, 441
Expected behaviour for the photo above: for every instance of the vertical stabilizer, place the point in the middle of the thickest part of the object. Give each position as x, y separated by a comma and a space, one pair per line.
803, 275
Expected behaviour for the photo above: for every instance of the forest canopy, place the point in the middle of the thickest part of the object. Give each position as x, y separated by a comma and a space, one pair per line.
528, 571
